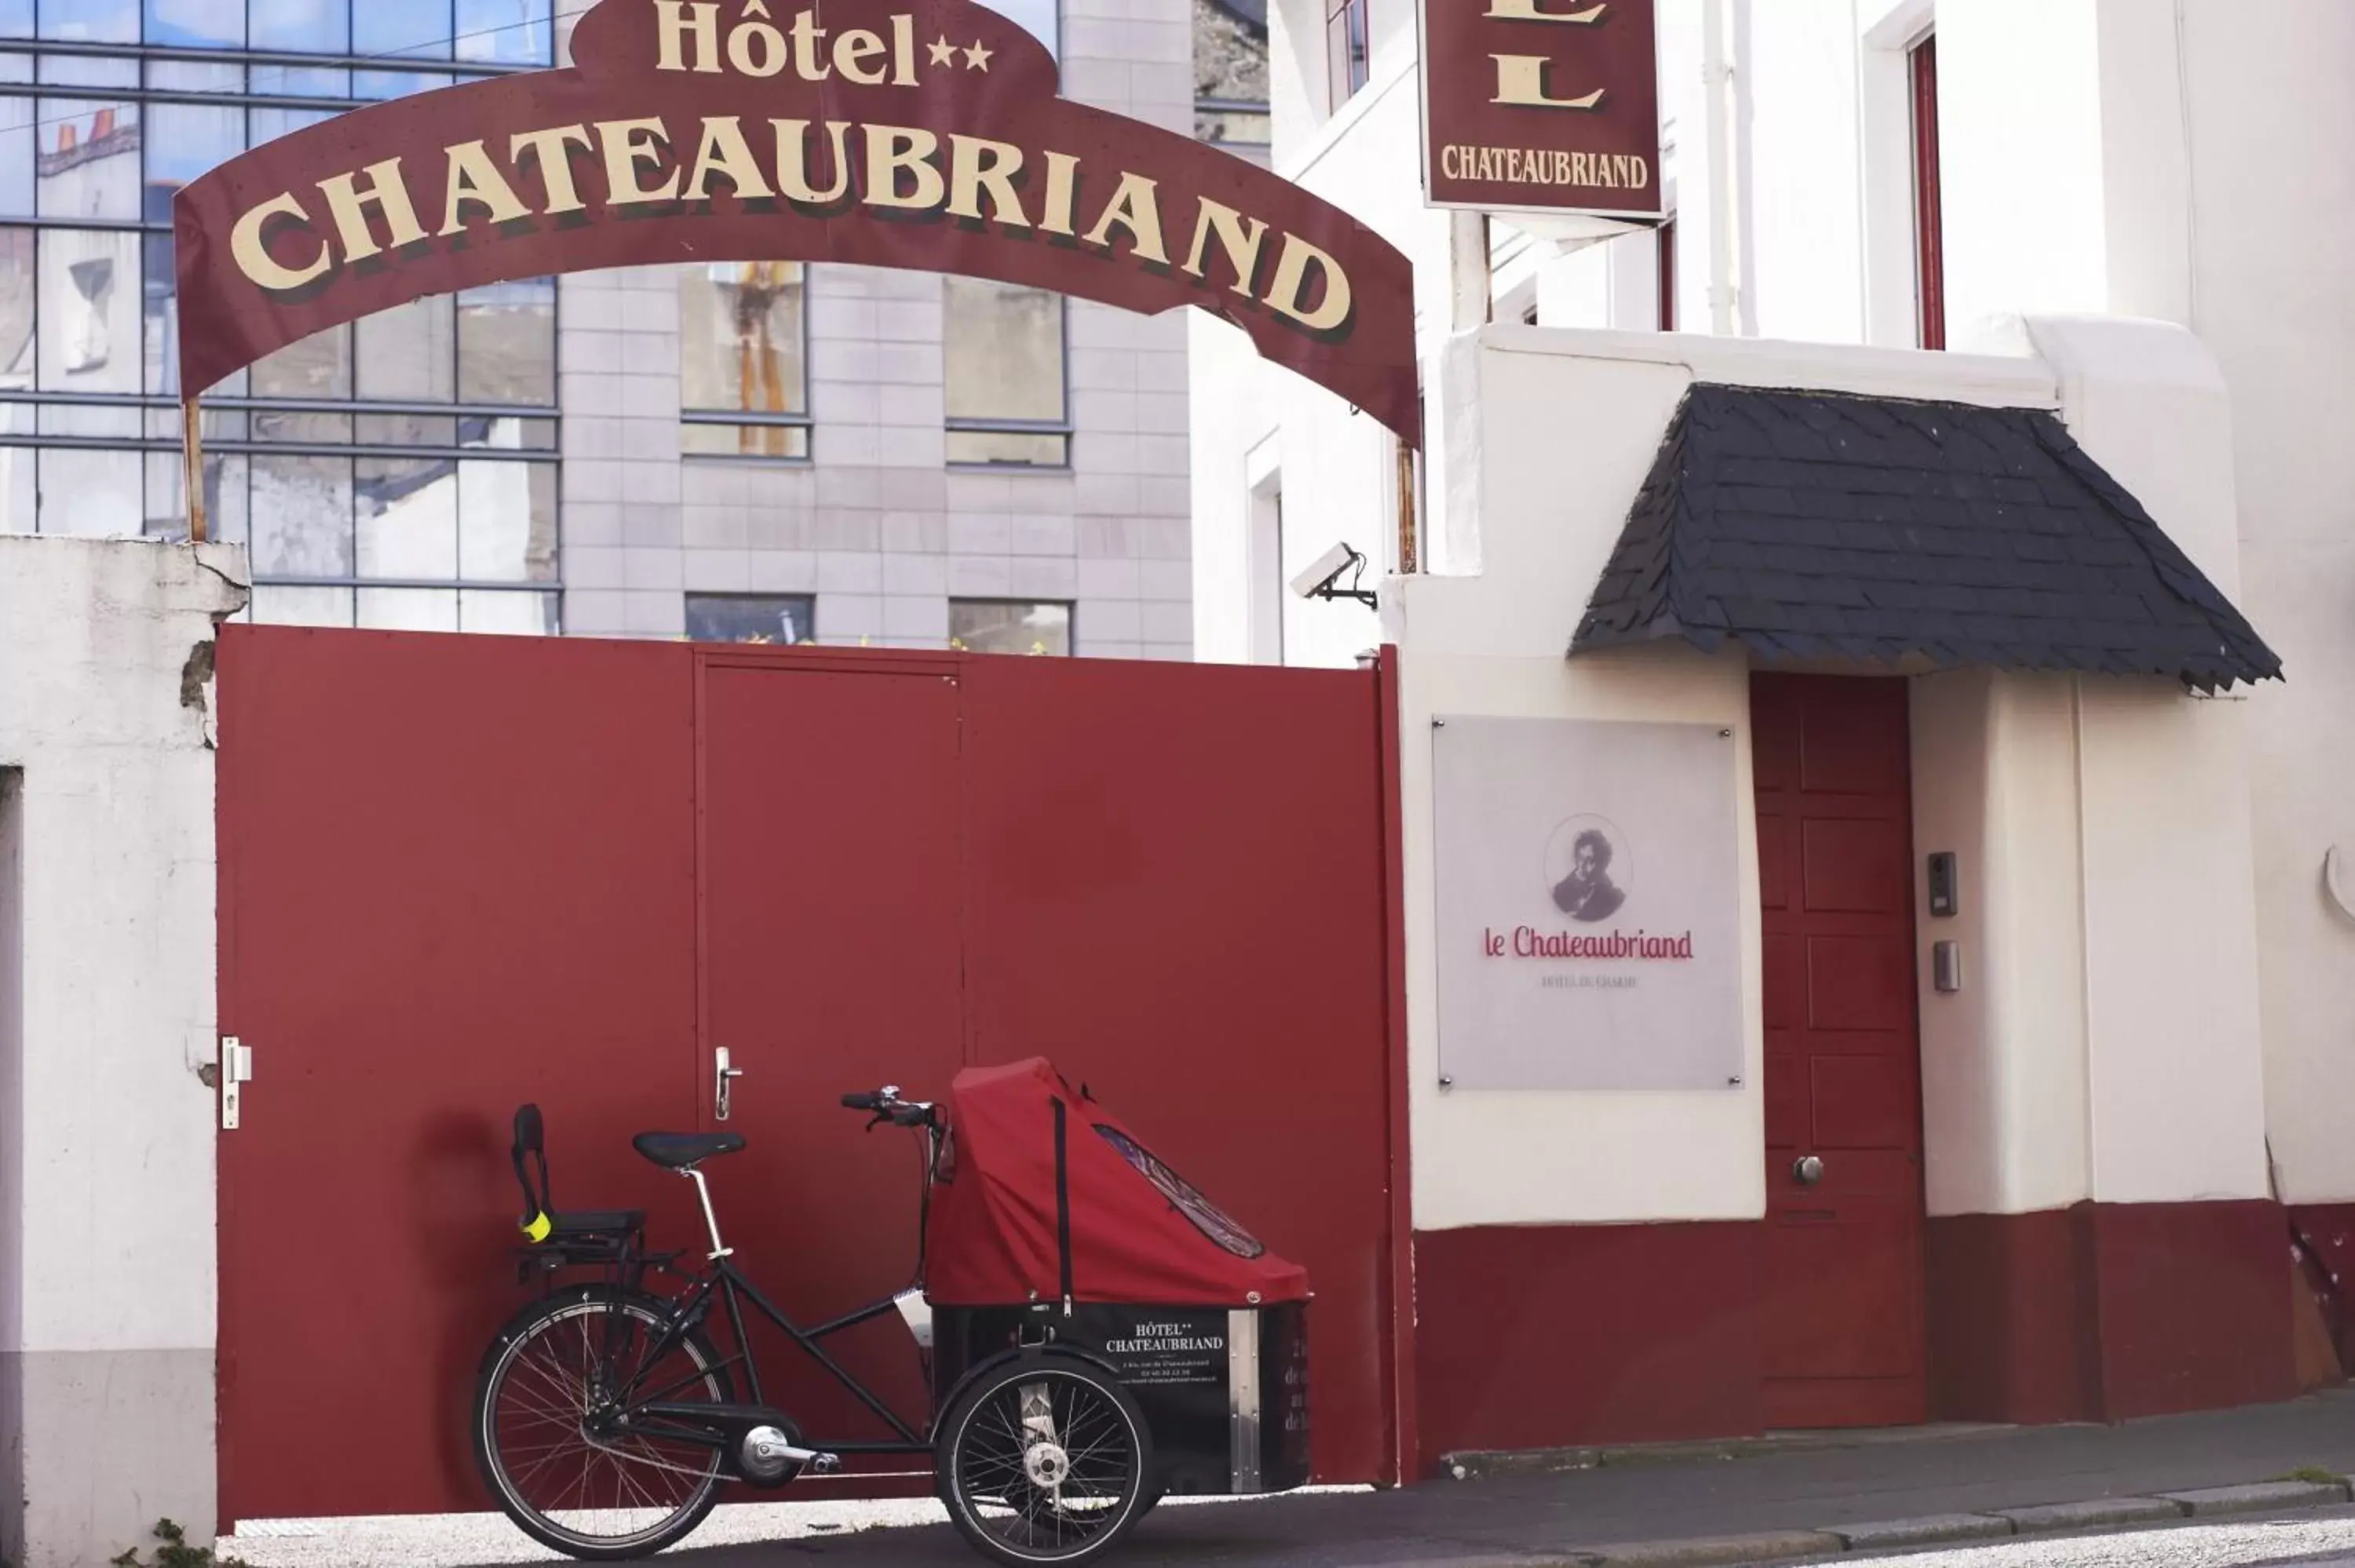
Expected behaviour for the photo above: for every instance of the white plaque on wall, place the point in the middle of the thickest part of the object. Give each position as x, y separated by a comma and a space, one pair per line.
1590, 924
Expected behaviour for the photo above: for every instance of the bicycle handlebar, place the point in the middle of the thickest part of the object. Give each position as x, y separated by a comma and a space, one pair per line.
886, 1105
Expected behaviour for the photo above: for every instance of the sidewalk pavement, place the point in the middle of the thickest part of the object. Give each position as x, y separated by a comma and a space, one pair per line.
1813, 1495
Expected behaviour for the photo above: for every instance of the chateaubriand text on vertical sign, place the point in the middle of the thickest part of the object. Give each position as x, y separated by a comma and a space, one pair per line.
1541, 106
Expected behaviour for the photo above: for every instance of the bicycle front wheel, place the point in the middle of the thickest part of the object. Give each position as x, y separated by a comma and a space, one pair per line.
550, 1432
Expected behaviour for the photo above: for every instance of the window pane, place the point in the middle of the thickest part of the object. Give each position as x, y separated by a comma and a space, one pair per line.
87, 163
505, 433
167, 512
408, 610
87, 71
741, 337
1031, 450
91, 21
378, 85
512, 32
301, 512
318, 366
750, 617
405, 517
406, 430
17, 250
507, 343
1003, 353
1037, 18
745, 441
196, 24
90, 294
507, 521
92, 493
19, 489
997, 626
408, 353
17, 144
506, 612
418, 29
195, 76
104, 421
269, 124
319, 26
15, 18
281, 606
186, 140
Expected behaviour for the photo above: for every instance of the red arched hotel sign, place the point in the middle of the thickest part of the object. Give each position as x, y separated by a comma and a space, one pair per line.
922, 134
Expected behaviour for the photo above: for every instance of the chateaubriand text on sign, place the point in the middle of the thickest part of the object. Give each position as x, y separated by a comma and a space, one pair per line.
1541, 106
922, 134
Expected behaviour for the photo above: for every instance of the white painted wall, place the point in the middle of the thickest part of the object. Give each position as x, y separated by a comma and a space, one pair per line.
107, 1304
2272, 221
2090, 1053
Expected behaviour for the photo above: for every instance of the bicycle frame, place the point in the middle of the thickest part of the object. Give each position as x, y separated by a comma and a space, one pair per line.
723, 1278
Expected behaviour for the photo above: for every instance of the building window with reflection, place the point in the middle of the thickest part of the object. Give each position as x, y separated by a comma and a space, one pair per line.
779, 618
399, 472
1345, 57
742, 360
1009, 626
1003, 361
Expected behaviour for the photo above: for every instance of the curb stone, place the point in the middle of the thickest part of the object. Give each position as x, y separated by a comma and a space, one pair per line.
1774, 1546
2255, 1499
1923, 1532
1765, 1546
2099, 1513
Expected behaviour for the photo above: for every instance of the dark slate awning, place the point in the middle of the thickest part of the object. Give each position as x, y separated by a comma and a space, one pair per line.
1806, 525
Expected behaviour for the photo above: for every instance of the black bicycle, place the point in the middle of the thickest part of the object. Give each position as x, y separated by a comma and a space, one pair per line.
608, 1416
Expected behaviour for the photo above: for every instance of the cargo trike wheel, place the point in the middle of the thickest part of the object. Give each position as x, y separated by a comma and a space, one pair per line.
1045, 1459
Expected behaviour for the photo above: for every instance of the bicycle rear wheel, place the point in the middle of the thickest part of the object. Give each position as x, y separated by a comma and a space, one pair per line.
548, 1433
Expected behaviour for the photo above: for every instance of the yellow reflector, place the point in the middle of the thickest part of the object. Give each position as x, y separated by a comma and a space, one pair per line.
537, 1226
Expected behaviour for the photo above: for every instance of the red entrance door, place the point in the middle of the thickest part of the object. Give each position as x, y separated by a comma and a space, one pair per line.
1844, 1316
832, 943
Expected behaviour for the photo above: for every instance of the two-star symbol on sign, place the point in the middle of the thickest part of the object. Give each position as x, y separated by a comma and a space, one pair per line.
945, 53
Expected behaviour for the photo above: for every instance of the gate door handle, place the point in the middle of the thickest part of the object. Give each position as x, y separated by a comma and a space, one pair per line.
1808, 1169
723, 1085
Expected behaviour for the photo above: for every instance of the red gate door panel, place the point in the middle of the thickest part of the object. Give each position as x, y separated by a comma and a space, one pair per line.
1844, 1312
456, 874
1173, 902
833, 917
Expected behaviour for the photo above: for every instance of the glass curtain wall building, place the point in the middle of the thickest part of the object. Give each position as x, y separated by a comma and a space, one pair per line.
400, 472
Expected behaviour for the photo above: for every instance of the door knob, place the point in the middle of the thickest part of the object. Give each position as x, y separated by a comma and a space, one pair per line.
1808, 1169
723, 1089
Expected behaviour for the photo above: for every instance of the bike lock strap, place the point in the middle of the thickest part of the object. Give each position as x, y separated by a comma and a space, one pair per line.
1064, 1207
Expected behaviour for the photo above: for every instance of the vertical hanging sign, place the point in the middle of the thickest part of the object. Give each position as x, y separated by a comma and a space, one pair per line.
1541, 106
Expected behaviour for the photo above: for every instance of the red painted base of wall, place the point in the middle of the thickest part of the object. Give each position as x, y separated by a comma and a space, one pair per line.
1546, 1336
1550, 1336
2107, 1311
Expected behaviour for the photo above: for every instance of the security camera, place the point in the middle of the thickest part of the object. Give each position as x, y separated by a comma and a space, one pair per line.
1322, 579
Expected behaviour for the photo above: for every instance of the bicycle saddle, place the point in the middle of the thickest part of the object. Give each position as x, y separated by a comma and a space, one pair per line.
677, 1151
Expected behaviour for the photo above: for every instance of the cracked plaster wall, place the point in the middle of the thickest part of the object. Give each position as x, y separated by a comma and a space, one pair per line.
107, 962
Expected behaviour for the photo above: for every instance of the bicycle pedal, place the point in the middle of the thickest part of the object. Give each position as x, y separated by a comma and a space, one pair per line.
826, 1464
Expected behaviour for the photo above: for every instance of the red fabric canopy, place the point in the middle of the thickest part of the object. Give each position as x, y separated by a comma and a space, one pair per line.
1139, 1232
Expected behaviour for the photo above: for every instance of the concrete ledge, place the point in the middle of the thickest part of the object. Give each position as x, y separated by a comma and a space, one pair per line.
1923, 1532
2258, 1498
1477, 1464
2100, 1513
1767, 1546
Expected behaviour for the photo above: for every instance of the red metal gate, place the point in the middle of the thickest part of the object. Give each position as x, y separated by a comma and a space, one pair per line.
461, 872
